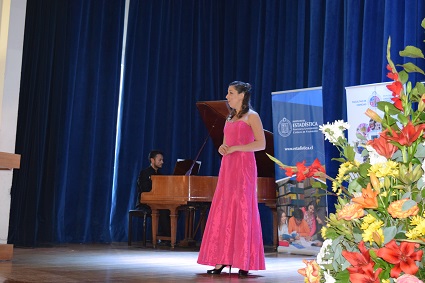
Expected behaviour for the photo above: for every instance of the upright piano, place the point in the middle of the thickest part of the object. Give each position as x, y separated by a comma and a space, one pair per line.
173, 192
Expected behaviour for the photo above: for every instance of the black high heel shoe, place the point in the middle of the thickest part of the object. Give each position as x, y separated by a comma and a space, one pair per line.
243, 273
218, 270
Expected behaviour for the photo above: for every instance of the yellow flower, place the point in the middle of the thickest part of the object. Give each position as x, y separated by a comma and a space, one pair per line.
413, 234
418, 231
343, 175
373, 232
367, 220
389, 168
323, 232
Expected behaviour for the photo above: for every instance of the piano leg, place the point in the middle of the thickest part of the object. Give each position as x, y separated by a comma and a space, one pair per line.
173, 219
155, 216
174, 209
188, 234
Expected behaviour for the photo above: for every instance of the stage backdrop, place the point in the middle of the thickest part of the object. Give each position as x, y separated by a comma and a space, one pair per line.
359, 99
297, 115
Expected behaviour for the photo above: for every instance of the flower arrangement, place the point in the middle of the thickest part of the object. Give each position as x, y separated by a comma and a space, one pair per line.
377, 233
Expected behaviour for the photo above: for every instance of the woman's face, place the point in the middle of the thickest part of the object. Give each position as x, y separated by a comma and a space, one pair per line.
283, 218
234, 98
311, 208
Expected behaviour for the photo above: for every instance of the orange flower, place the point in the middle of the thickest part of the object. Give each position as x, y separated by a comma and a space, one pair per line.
311, 272
368, 198
396, 209
373, 115
351, 211
383, 146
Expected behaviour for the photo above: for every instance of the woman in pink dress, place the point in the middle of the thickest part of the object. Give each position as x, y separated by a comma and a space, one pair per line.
233, 235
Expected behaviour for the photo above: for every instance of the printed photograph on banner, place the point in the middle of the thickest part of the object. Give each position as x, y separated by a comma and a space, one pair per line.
359, 99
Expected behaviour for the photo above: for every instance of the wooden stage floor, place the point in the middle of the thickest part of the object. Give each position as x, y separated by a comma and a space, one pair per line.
119, 263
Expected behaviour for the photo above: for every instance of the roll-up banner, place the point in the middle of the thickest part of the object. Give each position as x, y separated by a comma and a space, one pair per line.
297, 115
359, 99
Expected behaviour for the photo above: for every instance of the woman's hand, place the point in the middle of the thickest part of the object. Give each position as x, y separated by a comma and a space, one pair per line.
223, 149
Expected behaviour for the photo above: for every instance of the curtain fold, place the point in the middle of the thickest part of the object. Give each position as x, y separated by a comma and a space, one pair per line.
177, 53
66, 122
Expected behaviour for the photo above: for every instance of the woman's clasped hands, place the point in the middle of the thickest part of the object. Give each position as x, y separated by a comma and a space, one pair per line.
225, 149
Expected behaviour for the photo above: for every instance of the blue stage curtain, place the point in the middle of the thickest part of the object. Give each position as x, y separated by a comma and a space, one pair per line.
67, 122
178, 53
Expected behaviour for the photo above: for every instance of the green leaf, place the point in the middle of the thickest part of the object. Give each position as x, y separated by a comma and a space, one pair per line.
411, 52
420, 151
402, 119
388, 107
421, 184
343, 276
406, 195
389, 234
408, 205
319, 185
275, 160
354, 186
342, 160
403, 76
349, 153
363, 169
412, 68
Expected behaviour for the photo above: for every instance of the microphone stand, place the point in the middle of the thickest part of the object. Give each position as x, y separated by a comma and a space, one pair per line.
199, 152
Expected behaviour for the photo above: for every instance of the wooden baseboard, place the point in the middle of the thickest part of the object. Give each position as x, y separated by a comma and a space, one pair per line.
6, 251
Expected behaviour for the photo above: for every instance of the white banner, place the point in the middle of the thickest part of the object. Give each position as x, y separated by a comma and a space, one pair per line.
359, 99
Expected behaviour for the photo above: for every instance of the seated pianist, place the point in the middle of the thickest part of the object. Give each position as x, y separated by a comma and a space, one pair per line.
144, 184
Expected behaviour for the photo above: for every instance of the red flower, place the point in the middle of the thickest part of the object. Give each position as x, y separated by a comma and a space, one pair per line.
396, 88
301, 170
408, 135
314, 168
392, 74
397, 103
358, 260
289, 171
362, 266
403, 257
383, 147
368, 276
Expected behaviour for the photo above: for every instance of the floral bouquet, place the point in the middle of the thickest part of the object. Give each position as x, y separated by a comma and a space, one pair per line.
377, 233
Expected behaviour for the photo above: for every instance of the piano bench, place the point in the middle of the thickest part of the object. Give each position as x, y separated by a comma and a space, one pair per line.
141, 214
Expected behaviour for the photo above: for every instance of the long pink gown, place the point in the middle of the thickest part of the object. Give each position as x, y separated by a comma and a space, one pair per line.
233, 234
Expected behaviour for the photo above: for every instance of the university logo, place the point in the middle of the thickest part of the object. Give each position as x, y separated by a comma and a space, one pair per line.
284, 127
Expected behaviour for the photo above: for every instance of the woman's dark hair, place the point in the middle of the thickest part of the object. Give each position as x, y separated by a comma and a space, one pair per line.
313, 203
246, 88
